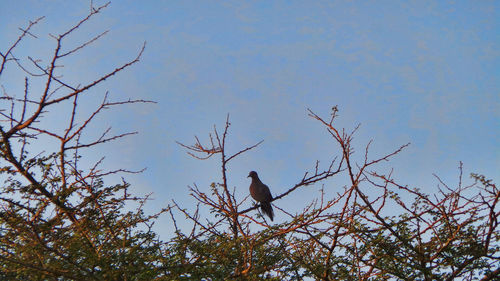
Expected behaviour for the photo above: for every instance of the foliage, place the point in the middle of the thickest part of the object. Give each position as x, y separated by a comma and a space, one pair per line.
61, 221
367, 231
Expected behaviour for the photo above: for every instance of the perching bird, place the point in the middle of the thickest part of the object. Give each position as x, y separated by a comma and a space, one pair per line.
261, 193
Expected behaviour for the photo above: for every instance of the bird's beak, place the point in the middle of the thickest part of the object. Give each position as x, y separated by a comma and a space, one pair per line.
248, 176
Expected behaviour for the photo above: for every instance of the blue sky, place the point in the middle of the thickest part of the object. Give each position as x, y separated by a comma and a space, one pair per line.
425, 72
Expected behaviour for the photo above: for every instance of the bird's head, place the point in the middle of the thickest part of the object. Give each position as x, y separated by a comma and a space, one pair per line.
253, 175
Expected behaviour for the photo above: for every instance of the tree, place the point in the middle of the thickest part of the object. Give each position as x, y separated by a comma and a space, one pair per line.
367, 231
61, 220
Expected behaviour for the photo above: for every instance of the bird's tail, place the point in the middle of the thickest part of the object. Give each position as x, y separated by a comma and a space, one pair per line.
267, 209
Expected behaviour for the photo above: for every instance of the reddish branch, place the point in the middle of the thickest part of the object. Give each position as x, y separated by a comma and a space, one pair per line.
52, 188
348, 223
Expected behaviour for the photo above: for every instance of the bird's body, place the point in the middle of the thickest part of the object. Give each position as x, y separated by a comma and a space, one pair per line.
261, 193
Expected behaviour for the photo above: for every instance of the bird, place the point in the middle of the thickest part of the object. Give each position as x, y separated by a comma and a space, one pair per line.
261, 193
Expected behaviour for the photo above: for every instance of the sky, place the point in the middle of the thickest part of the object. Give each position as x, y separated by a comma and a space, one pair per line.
425, 72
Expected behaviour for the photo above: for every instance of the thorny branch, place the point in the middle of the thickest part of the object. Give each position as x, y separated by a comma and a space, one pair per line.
59, 193
359, 220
